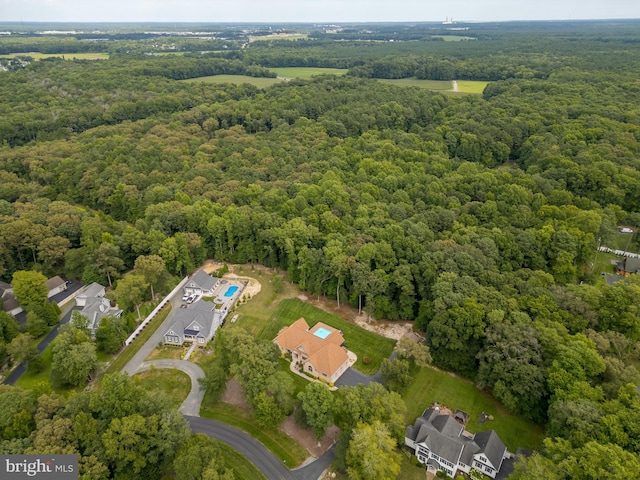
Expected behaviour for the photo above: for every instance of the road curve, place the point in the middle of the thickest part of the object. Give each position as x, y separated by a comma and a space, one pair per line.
191, 404
252, 449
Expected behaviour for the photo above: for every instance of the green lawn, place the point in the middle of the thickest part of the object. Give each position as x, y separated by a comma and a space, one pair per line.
622, 241
279, 443
360, 341
66, 56
260, 82
175, 384
471, 86
432, 385
307, 72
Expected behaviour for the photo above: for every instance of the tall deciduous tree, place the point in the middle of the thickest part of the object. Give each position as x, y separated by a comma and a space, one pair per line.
317, 404
130, 291
29, 288
372, 453
152, 267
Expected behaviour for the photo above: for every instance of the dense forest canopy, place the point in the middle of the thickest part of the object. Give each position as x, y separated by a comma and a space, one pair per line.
476, 217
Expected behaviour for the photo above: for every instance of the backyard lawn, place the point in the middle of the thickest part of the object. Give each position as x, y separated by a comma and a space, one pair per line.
360, 341
432, 385
173, 383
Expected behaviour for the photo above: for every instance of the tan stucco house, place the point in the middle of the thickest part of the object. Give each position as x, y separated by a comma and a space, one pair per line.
318, 350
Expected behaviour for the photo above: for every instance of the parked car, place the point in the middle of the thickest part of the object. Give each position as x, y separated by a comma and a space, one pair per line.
626, 230
185, 297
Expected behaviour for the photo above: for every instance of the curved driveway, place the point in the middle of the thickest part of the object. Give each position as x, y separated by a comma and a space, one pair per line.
191, 404
256, 453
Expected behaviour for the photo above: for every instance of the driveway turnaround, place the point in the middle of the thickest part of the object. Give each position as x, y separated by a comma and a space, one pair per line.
191, 404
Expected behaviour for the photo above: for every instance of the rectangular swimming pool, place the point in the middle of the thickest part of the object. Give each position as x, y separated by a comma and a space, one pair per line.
322, 333
231, 290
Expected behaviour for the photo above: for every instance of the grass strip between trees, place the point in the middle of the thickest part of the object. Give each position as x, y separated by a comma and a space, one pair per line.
243, 469
127, 354
277, 442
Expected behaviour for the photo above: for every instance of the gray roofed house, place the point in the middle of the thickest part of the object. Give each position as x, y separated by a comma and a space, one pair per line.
198, 323
443, 444
95, 306
628, 266
91, 291
201, 284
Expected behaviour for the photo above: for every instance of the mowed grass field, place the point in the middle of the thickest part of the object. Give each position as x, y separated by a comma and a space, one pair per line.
307, 72
259, 82
360, 341
471, 86
443, 86
431, 385
66, 56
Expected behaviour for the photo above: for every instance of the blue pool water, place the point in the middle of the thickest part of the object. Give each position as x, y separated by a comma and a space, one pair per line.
231, 290
322, 333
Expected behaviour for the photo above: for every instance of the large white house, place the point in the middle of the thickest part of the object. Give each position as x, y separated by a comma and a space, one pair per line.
95, 306
441, 443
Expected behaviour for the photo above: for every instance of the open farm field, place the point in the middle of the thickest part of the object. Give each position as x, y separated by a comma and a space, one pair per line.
434, 85
307, 72
260, 82
66, 56
471, 86
432, 385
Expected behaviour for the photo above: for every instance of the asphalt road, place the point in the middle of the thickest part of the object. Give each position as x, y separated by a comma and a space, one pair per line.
253, 450
17, 372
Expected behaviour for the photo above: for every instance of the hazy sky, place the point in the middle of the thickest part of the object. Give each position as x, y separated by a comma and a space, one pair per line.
311, 10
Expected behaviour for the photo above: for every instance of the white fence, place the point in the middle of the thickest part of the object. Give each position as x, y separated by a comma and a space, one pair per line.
618, 252
150, 317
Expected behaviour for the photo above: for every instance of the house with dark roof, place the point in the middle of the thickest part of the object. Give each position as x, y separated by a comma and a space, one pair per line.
440, 442
197, 323
55, 285
9, 301
628, 266
201, 284
318, 350
95, 306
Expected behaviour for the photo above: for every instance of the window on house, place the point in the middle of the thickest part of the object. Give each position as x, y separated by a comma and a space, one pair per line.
310, 368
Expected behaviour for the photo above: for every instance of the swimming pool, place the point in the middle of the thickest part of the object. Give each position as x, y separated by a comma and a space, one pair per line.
231, 290
322, 333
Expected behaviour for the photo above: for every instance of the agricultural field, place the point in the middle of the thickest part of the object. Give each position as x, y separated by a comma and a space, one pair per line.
279, 36
433, 85
471, 86
260, 82
443, 86
307, 72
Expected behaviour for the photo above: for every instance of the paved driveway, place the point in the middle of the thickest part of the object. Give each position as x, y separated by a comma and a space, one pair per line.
191, 404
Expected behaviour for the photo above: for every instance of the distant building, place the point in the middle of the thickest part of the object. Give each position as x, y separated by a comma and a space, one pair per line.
317, 350
440, 442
